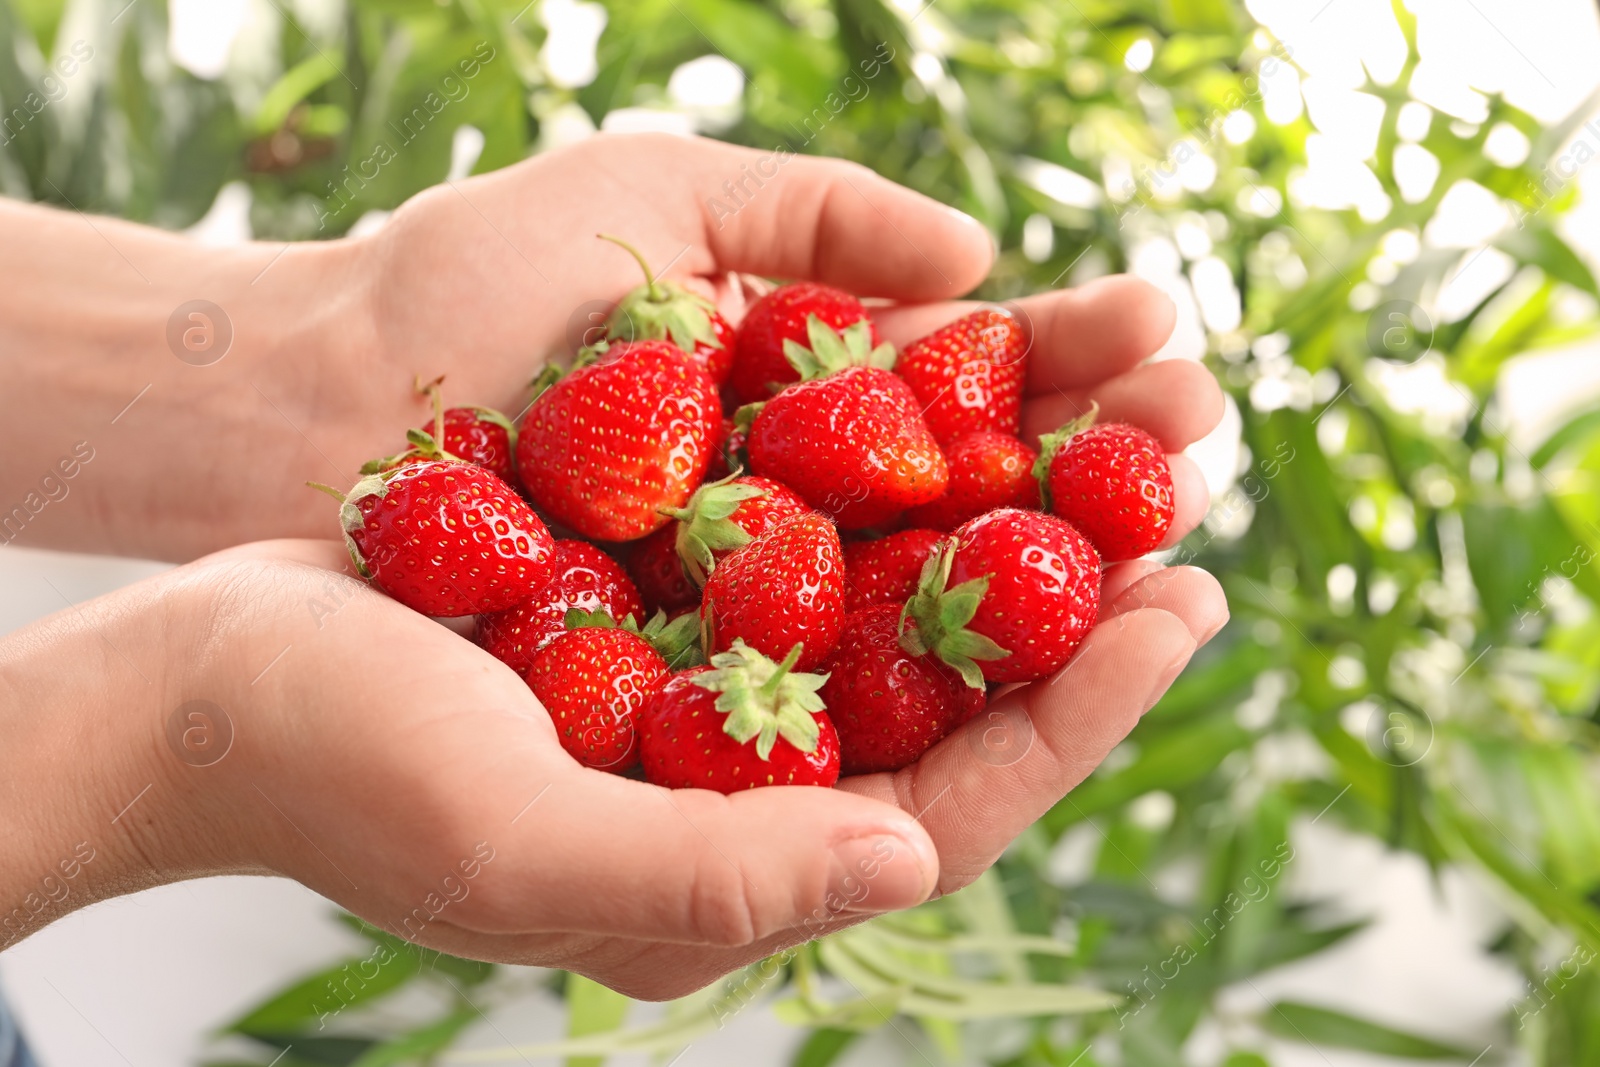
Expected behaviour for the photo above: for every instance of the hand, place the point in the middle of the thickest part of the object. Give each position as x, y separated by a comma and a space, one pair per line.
394, 767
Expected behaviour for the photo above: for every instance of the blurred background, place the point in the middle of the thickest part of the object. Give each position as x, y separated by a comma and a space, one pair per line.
1363, 828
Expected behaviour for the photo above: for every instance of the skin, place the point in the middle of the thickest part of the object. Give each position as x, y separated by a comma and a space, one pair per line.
376, 754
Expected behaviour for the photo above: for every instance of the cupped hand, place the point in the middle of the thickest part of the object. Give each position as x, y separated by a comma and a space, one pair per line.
394, 767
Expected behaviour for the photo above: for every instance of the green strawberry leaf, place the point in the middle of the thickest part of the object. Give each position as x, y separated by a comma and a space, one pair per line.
705, 526
765, 700
832, 351
934, 621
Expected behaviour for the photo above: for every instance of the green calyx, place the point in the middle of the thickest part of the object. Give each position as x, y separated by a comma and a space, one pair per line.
832, 351
941, 615
705, 526
765, 700
677, 641
1052, 443
659, 310
350, 517
421, 446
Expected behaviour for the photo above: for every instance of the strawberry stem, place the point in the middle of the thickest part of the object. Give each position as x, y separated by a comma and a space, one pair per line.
330, 490
657, 293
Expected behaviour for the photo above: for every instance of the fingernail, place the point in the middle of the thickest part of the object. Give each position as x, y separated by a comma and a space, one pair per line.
1169, 674
877, 873
1215, 628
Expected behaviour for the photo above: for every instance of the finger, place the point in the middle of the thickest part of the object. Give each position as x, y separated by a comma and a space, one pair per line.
828, 220
1079, 337
1119, 576
1190, 593
605, 855
329, 555
1191, 498
982, 786
1177, 401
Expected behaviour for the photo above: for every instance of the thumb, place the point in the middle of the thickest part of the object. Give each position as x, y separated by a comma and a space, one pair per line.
610, 856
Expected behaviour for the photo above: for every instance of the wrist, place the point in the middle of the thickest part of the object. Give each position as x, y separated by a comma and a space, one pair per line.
206, 384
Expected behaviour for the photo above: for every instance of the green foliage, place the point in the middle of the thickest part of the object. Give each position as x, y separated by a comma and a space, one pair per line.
1413, 593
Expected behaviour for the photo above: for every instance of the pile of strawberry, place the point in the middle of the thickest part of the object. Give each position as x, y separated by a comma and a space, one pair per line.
784, 551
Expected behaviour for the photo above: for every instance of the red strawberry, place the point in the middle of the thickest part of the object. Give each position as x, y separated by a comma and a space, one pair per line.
886, 571
613, 442
778, 319
477, 435
848, 439
1111, 481
782, 589
659, 575
593, 681
446, 538
583, 577
890, 705
741, 723
987, 471
1015, 589
665, 311
969, 375
726, 515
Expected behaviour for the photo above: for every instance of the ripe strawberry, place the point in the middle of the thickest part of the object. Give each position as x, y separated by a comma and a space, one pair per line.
659, 575
1026, 591
593, 681
987, 471
726, 515
446, 538
477, 435
778, 319
783, 589
583, 577
741, 723
666, 311
885, 572
613, 442
890, 705
848, 438
1111, 481
969, 375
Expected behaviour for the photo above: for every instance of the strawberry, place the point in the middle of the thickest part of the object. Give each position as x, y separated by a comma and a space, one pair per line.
658, 572
593, 681
1026, 591
446, 538
778, 319
890, 705
741, 723
987, 471
609, 445
665, 311
885, 572
783, 589
729, 514
1111, 481
477, 435
969, 375
848, 438
582, 577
